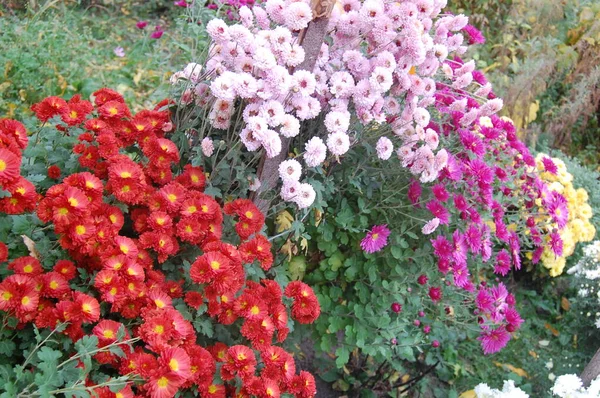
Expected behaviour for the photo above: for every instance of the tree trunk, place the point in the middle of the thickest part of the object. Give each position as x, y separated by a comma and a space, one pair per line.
592, 370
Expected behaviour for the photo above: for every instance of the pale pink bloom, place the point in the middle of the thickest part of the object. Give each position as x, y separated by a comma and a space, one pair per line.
280, 38
251, 110
484, 90
421, 117
350, 5
207, 146
290, 170
338, 143
175, 77
187, 97
168, 126
220, 120
272, 143
448, 71
341, 84
440, 51
467, 67
306, 196
223, 87
272, 111
293, 54
297, 15
289, 190
381, 79
458, 105
384, 148
470, 117
339, 104
310, 109
218, 30
275, 9
431, 226
371, 10
491, 107
262, 19
315, 152
249, 140
192, 72
441, 159
254, 184
428, 175
337, 122
245, 85
463, 81
264, 59
385, 59
432, 139
458, 22
119, 52
303, 82
455, 41
246, 16
290, 126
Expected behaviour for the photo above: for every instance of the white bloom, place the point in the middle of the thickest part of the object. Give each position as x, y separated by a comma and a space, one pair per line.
338, 143
290, 126
431, 226
337, 122
306, 196
254, 184
566, 384
289, 190
207, 147
192, 71
384, 148
316, 151
290, 170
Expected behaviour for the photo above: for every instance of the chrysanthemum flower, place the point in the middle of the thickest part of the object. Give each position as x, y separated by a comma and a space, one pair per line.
15, 130
49, 107
376, 239
10, 166
494, 340
163, 385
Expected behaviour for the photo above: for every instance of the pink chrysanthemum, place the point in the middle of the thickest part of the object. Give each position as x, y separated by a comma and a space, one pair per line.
549, 165
494, 340
503, 264
376, 239
556, 244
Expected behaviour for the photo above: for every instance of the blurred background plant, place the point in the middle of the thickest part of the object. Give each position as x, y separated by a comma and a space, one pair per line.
543, 57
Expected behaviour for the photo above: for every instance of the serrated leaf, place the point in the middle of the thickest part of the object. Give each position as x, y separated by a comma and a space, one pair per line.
47, 354
35, 178
7, 347
283, 221
86, 344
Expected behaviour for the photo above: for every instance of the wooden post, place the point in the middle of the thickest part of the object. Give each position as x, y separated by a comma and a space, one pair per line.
311, 40
592, 370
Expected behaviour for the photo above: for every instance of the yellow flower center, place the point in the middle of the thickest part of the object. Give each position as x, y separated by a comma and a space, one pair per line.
2, 165
108, 334
80, 230
174, 365
163, 382
215, 265
28, 268
159, 329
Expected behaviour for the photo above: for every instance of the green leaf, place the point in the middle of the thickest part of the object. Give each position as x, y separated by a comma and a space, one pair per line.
204, 326
47, 354
86, 344
342, 356
7, 347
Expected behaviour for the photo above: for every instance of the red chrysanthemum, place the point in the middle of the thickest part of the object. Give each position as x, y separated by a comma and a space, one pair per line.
10, 167
49, 107
16, 130
104, 95
54, 172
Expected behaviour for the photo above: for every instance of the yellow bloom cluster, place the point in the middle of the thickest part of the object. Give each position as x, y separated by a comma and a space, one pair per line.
578, 228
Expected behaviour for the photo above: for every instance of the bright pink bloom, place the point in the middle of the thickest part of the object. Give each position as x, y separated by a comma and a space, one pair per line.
376, 239
141, 24
494, 340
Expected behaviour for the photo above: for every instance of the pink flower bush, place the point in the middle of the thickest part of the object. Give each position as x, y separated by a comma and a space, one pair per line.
376, 239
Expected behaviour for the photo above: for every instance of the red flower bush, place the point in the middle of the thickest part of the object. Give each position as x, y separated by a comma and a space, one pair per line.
135, 210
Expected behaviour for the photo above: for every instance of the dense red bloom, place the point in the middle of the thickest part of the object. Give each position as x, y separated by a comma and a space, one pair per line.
208, 266
107, 331
54, 172
89, 307
177, 361
10, 167
163, 386
76, 111
279, 364
49, 107
303, 385
113, 110
104, 95
258, 248
3, 252
194, 299
435, 294
26, 266
306, 308
16, 130
192, 178
66, 268
54, 285
9, 295
240, 361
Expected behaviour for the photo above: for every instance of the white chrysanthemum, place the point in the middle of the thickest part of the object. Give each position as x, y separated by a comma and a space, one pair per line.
432, 139
218, 30
289, 190
303, 82
290, 126
223, 87
297, 15
254, 184
337, 122
249, 140
272, 111
316, 151
421, 116
384, 148
484, 391
264, 58
306, 196
566, 385
381, 79
290, 170
207, 147
272, 143
430, 226
192, 71
338, 143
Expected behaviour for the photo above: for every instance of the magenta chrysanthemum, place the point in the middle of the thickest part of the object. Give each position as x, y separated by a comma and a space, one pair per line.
494, 340
376, 239
549, 165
